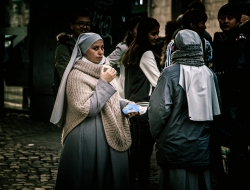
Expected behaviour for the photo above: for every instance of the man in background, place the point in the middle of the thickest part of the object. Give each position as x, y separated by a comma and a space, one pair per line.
231, 64
80, 22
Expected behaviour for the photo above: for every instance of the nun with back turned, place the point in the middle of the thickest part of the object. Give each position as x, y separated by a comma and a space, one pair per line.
181, 113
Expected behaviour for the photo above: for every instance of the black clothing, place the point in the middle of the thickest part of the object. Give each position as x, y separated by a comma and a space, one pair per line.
207, 36
231, 64
140, 151
137, 89
245, 28
137, 86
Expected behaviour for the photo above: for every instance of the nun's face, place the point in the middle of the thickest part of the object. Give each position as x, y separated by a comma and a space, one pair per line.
95, 52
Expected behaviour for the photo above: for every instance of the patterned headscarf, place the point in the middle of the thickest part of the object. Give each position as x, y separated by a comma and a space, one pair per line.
83, 43
189, 50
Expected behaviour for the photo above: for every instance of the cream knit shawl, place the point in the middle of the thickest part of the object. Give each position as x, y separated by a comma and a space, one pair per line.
81, 84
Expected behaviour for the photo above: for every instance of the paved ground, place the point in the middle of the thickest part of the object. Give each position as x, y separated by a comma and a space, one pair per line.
30, 152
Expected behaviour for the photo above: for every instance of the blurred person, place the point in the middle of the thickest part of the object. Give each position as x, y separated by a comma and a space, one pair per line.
231, 64
141, 64
179, 20
96, 134
199, 5
80, 22
115, 57
193, 19
170, 28
170, 48
195, 5
181, 111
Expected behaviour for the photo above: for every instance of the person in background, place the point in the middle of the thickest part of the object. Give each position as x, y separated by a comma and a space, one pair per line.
96, 134
181, 110
116, 56
196, 4
169, 48
80, 22
170, 28
199, 5
193, 19
231, 64
141, 74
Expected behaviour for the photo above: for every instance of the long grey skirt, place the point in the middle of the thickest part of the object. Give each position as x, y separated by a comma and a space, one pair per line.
87, 162
182, 179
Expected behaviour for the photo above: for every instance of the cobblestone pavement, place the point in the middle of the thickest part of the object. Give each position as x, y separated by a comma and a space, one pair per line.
30, 152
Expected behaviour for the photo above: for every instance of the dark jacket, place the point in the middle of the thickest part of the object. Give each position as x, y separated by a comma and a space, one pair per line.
180, 142
137, 86
231, 63
66, 44
245, 28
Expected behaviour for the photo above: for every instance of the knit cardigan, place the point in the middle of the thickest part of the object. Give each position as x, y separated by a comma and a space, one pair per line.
81, 84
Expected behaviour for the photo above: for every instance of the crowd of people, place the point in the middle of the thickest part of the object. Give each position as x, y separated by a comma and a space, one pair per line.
192, 97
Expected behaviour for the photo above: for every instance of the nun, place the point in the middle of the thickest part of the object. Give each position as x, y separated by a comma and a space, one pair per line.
181, 111
96, 133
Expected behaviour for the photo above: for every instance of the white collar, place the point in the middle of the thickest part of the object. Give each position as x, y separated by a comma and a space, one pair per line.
198, 82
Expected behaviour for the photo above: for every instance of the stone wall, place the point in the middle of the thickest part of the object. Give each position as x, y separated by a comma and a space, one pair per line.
162, 11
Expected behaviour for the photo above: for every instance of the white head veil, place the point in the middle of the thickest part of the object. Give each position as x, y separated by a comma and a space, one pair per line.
197, 80
83, 43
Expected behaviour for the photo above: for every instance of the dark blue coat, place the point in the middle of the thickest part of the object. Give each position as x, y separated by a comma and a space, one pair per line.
180, 142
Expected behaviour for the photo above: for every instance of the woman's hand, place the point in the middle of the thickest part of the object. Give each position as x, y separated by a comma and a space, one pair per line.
132, 114
107, 75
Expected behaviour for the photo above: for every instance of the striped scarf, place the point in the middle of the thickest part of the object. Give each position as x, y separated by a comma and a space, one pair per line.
189, 55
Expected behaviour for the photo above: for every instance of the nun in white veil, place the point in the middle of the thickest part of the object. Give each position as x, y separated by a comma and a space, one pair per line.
181, 111
96, 134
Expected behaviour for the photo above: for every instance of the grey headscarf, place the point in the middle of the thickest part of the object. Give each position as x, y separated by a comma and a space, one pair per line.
83, 43
196, 78
189, 50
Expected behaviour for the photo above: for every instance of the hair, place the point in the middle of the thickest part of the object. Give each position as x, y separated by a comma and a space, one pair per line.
230, 9
179, 18
193, 16
83, 13
197, 5
141, 44
170, 28
132, 24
